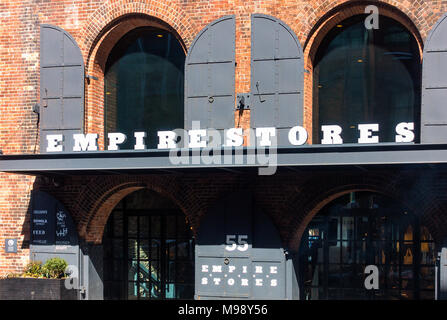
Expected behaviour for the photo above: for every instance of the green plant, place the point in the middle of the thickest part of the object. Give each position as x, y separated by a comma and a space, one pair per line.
33, 269
55, 268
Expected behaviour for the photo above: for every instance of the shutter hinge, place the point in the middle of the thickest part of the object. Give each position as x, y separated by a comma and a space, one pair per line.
243, 101
36, 108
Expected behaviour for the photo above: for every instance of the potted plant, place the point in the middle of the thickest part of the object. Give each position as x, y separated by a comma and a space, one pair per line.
38, 282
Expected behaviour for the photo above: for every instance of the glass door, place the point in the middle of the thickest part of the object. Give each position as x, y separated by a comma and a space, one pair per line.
160, 256
148, 252
342, 240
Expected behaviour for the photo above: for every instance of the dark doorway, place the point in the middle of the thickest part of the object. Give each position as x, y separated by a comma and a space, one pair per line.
148, 250
363, 229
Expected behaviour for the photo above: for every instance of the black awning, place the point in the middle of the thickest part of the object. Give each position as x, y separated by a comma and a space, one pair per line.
228, 159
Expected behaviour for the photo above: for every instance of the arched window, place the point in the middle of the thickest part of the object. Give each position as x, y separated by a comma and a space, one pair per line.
366, 76
144, 85
363, 229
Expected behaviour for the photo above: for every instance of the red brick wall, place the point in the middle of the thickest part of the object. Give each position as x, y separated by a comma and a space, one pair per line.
95, 25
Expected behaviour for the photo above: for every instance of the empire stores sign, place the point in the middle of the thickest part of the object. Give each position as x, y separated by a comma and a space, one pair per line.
207, 145
211, 138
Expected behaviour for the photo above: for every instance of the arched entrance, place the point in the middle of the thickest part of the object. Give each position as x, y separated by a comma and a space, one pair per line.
148, 250
362, 229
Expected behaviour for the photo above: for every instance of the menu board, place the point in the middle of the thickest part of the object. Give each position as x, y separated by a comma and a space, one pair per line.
62, 227
40, 226
51, 224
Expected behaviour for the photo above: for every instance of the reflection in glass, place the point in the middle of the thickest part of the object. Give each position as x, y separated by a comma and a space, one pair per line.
144, 249
132, 248
132, 292
366, 76
159, 261
143, 85
372, 230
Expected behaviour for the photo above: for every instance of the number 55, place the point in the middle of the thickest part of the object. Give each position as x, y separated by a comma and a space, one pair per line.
242, 241
232, 244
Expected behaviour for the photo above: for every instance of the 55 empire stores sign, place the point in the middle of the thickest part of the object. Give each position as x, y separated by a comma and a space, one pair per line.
233, 137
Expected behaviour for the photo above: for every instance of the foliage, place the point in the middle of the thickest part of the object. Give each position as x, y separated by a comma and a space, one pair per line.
54, 268
33, 269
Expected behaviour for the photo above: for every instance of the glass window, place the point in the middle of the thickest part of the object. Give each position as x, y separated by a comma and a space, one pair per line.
143, 85
366, 76
333, 267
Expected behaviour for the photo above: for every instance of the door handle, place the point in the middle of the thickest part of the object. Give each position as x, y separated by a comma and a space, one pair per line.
259, 94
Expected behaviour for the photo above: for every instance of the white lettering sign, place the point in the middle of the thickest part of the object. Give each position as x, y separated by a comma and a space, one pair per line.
53, 144
366, 131
198, 138
331, 135
115, 139
405, 132
85, 142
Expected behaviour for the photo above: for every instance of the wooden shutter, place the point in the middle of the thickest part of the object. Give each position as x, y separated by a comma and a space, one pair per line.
209, 76
277, 75
61, 85
434, 85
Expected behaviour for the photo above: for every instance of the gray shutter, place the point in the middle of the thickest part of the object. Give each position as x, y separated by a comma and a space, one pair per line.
236, 216
277, 76
209, 74
61, 85
434, 85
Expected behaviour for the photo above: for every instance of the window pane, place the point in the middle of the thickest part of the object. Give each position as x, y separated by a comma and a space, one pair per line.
427, 278
171, 226
132, 226
132, 271
118, 248
144, 226
145, 288
132, 248
144, 249
144, 271
132, 293
155, 249
155, 226
170, 249
183, 249
118, 224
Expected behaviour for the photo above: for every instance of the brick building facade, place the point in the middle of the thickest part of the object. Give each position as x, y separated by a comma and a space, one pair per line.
290, 198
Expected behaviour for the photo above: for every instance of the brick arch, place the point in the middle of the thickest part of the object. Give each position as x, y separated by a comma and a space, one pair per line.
119, 28
100, 21
95, 227
313, 196
319, 203
313, 207
325, 18
100, 196
105, 27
